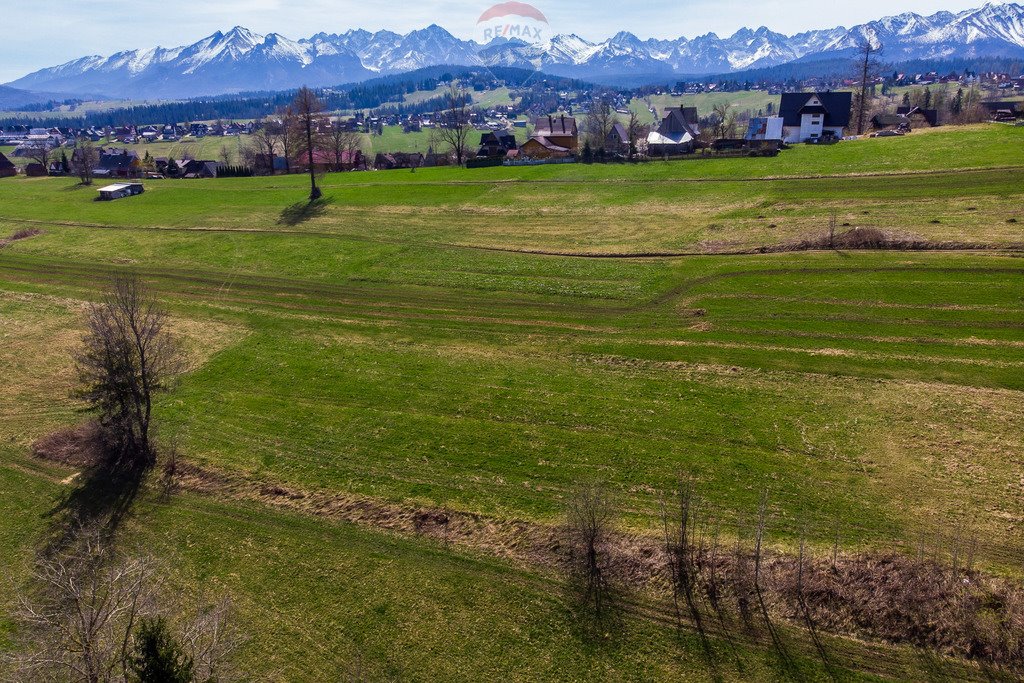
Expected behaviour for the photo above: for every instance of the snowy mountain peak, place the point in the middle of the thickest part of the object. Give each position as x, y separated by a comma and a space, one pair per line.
241, 59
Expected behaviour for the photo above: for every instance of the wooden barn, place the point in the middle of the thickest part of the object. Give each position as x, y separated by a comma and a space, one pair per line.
7, 167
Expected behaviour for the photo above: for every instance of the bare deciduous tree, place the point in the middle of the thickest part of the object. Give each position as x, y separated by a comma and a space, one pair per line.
343, 144
723, 124
77, 618
210, 640
635, 129
308, 110
264, 144
84, 160
291, 137
128, 357
867, 67
79, 615
599, 122
453, 124
681, 551
40, 152
590, 516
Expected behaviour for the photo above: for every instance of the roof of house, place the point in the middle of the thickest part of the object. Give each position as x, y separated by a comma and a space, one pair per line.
200, 166
619, 131
679, 121
555, 126
930, 115
834, 105
656, 138
888, 119
5, 163
115, 159
497, 137
116, 187
1001, 106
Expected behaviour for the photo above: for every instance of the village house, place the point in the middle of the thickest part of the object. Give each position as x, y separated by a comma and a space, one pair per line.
617, 141
765, 128
764, 135
58, 167
13, 135
149, 134
890, 122
37, 139
7, 167
676, 134
554, 137
919, 118
51, 136
118, 163
390, 162
1003, 111
496, 144
326, 161
265, 164
816, 116
197, 168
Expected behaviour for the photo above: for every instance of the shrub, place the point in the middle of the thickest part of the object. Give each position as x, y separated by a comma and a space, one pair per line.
158, 658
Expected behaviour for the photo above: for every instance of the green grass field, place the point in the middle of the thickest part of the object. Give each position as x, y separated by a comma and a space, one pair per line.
751, 101
395, 139
484, 340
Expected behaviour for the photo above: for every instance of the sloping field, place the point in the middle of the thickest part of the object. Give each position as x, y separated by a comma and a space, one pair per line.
398, 344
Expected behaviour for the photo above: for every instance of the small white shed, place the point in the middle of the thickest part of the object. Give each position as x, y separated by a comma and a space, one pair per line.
120, 191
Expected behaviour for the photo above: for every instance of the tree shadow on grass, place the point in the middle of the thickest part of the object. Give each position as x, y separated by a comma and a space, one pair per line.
301, 212
102, 494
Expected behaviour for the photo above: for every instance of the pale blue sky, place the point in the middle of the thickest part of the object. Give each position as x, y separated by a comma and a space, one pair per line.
44, 33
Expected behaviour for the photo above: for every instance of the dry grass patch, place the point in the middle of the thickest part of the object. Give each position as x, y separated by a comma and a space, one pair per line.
38, 338
951, 457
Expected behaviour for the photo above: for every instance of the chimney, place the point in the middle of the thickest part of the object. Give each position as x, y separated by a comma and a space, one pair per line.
551, 124
563, 123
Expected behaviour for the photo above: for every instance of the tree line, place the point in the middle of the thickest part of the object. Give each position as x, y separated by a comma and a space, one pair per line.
367, 95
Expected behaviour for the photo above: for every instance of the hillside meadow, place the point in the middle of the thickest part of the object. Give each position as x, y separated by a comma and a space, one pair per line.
483, 341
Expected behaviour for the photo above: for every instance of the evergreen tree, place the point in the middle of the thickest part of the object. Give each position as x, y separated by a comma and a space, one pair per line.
957, 105
158, 658
588, 153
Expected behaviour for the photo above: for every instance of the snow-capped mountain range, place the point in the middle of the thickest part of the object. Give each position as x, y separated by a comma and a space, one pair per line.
241, 60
